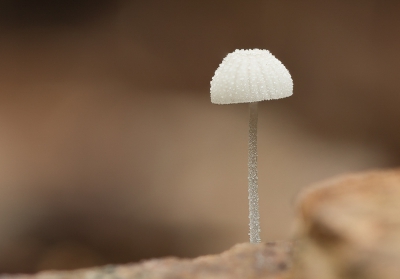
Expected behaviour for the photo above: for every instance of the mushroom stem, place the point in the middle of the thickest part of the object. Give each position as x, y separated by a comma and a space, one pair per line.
254, 214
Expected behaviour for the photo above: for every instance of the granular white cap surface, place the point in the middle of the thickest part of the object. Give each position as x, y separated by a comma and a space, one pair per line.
252, 75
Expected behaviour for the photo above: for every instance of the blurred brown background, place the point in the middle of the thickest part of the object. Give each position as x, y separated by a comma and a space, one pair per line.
111, 151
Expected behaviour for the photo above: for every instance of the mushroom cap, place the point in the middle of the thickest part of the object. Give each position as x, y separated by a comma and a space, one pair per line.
251, 75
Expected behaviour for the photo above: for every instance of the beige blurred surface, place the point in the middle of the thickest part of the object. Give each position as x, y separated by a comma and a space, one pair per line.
111, 150
348, 227
245, 260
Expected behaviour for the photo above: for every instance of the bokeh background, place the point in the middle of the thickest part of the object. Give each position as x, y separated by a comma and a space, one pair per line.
111, 151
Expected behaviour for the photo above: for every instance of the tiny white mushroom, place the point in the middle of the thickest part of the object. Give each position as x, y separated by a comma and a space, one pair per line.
250, 76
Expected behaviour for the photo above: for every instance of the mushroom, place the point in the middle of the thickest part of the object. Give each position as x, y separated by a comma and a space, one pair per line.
250, 76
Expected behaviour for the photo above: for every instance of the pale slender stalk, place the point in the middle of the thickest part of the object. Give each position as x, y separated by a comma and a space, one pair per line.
254, 214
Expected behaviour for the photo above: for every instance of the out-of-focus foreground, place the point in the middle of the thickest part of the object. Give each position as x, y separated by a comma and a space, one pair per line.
111, 150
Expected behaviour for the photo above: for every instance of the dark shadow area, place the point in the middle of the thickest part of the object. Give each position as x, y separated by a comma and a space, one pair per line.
22, 14
68, 241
